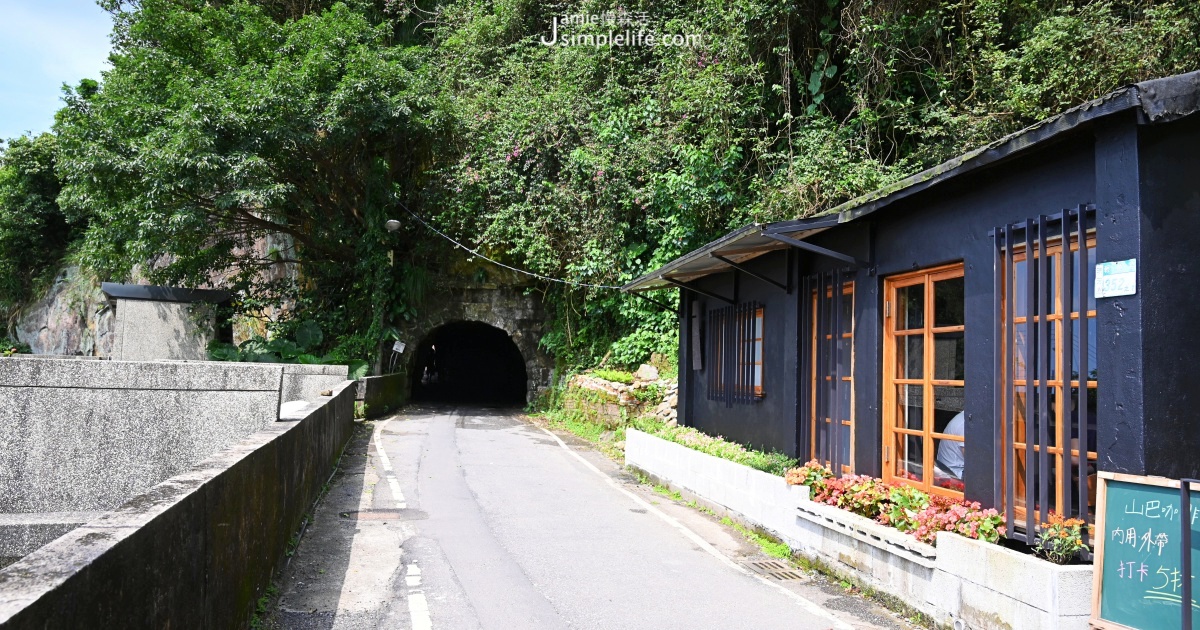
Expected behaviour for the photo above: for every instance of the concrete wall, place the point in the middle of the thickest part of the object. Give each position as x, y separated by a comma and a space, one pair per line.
194, 551
86, 435
981, 584
146, 330
382, 394
306, 382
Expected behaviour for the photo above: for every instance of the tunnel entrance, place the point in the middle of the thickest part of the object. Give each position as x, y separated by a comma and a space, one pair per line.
469, 362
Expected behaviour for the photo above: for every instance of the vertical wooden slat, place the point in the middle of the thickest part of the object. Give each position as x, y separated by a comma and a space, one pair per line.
835, 407
998, 330
1081, 360
1064, 364
1010, 474
1043, 370
804, 368
822, 447
1030, 349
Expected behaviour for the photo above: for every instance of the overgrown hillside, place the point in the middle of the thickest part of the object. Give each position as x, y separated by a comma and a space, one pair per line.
221, 122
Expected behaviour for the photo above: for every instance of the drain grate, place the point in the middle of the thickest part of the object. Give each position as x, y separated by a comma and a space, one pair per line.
774, 570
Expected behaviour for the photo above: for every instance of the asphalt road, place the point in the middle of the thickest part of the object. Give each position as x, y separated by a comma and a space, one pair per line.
462, 518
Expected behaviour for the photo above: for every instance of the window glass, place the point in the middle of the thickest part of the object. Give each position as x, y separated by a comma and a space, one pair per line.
910, 307
910, 356
948, 303
948, 350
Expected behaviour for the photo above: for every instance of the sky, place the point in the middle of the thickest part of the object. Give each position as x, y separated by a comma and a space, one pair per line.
43, 44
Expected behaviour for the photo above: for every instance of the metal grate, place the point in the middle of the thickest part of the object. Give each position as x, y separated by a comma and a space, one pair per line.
774, 570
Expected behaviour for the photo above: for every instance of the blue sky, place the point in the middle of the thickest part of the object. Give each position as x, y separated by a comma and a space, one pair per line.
43, 44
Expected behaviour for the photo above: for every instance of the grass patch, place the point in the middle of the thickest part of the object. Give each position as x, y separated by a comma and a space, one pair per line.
774, 463
261, 606
770, 546
669, 493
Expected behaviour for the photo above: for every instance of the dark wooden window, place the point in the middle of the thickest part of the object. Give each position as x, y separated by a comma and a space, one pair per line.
735, 351
1046, 364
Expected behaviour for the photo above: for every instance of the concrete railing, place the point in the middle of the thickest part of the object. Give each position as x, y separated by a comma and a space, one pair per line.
961, 581
196, 550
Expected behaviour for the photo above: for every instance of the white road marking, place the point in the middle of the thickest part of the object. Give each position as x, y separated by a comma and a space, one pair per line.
388, 473
418, 606
700, 542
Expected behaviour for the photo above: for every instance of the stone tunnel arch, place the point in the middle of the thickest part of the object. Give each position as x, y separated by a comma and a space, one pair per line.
514, 310
469, 362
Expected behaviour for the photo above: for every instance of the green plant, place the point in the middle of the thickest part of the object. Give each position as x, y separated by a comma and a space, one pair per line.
650, 393
812, 474
281, 350
360, 410
10, 346
904, 504
615, 376
1060, 540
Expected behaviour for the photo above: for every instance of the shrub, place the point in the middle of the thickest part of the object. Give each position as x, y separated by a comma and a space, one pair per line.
812, 474
1060, 539
615, 376
865, 496
904, 503
961, 517
10, 346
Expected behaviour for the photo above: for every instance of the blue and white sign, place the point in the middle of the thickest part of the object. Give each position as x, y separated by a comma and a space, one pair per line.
1116, 278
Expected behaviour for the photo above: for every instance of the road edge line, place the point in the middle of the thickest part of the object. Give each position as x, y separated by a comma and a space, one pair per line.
805, 603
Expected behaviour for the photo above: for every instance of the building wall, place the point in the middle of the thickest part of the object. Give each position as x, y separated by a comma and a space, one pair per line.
1169, 298
147, 330
769, 423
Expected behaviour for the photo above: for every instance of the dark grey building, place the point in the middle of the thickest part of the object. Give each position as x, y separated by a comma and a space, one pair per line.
951, 332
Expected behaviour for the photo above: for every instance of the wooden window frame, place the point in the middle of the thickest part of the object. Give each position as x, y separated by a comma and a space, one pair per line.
891, 432
1015, 439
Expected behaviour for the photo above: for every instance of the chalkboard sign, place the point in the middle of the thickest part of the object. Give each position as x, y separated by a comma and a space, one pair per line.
1138, 581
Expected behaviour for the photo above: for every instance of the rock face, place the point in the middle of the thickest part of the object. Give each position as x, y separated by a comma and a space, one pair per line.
73, 318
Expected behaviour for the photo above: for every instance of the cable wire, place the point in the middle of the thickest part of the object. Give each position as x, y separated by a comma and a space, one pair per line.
498, 263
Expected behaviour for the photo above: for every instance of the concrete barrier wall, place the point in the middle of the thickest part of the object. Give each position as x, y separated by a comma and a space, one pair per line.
196, 550
86, 435
382, 394
306, 382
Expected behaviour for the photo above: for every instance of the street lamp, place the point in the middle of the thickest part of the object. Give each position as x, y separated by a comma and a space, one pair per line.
392, 225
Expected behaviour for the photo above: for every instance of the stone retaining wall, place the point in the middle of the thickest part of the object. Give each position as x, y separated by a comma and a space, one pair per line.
195, 551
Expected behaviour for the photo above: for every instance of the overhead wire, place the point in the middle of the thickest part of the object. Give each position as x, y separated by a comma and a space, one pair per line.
500, 264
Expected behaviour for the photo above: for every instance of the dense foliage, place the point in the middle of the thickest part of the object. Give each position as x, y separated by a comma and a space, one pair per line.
34, 231
221, 123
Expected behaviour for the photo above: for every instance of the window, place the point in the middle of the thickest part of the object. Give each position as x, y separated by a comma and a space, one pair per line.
735, 346
924, 379
1047, 368
830, 377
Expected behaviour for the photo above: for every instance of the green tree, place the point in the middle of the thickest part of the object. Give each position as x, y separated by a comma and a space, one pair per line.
34, 232
223, 125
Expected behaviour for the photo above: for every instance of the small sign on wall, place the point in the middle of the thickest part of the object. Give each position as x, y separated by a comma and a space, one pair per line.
1116, 278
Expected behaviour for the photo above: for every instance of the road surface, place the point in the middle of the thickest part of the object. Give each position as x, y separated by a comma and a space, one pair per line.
463, 518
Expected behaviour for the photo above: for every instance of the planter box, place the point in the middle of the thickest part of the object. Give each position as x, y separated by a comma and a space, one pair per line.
978, 585
988, 586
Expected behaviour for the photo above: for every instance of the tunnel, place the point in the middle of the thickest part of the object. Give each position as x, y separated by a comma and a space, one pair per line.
469, 362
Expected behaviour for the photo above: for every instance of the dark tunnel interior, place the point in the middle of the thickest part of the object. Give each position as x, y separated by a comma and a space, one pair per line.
469, 362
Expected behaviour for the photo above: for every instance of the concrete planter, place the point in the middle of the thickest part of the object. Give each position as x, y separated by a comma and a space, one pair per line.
964, 582
989, 586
